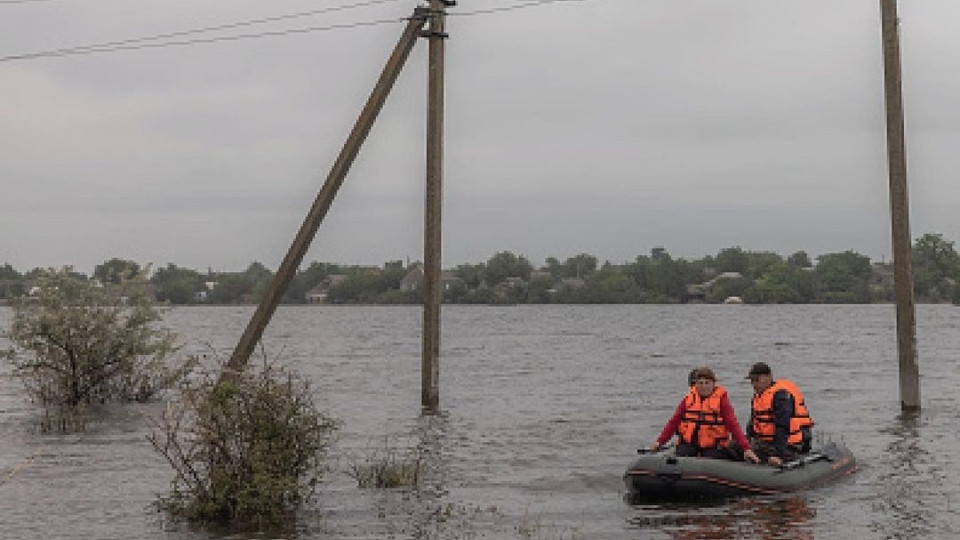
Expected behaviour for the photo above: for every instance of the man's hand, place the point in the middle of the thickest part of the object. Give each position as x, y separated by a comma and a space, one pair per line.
751, 456
775, 461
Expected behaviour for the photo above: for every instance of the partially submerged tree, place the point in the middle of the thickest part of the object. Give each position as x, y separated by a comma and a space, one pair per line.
76, 344
246, 450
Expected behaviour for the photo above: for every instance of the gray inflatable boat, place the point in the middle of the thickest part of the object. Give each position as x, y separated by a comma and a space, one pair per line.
662, 475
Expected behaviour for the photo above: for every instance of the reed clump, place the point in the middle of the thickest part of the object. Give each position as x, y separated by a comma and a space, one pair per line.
388, 467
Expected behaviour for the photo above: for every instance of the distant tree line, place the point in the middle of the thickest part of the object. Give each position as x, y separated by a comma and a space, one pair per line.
757, 277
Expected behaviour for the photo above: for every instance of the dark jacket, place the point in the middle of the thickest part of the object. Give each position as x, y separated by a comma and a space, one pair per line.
782, 412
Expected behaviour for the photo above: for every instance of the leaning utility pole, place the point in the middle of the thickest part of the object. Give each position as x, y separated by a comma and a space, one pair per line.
432, 290
899, 211
271, 298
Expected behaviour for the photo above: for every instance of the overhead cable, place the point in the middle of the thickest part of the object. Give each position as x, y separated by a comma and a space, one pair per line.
152, 42
520, 5
216, 28
92, 49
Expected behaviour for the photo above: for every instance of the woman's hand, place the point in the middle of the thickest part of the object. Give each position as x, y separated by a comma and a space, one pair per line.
751, 456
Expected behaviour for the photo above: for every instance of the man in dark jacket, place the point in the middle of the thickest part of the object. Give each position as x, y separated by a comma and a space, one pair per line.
779, 427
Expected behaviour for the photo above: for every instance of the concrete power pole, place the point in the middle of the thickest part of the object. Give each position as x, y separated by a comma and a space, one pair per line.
900, 211
432, 290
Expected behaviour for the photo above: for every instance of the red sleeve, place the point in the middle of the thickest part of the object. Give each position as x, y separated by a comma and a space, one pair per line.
730, 420
671, 428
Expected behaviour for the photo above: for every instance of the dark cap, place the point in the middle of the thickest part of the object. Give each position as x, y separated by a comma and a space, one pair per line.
760, 368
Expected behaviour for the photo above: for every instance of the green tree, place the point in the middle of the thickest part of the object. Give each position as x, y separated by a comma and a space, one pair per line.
553, 265
11, 282
8, 272
231, 289
247, 452
579, 266
358, 287
723, 288
538, 292
116, 271
732, 259
505, 264
392, 275
758, 262
800, 259
610, 285
843, 278
79, 345
661, 278
936, 267
471, 274
259, 277
177, 285
781, 283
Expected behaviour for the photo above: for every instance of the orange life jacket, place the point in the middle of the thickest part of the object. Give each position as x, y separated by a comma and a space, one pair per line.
762, 417
702, 424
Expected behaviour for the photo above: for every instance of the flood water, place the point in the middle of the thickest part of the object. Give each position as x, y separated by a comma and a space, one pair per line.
543, 407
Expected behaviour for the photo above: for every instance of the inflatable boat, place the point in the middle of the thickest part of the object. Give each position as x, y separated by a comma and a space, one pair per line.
662, 475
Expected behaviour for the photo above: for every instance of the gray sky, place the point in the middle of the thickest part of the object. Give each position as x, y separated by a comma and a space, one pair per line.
601, 126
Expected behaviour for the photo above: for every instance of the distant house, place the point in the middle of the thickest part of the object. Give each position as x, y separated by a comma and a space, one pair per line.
413, 280
694, 294
504, 287
573, 283
336, 279
722, 276
318, 294
202, 294
369, 270
883, 275
449, 280
568, 284
540, 274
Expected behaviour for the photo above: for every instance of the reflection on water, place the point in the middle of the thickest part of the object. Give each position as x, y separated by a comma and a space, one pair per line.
778, 518
913, 482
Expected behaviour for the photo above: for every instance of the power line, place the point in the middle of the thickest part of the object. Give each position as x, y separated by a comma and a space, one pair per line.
219, 27
91, 49
522, 5
139, 43
25, 1
119, 45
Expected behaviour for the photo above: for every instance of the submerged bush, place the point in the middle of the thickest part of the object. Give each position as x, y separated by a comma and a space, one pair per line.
77, 344
246, 451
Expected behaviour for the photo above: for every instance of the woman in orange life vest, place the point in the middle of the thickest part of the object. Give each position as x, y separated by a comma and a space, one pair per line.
780, 424
704, 420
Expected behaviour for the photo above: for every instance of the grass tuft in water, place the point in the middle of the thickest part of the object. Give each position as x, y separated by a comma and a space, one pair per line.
388, 468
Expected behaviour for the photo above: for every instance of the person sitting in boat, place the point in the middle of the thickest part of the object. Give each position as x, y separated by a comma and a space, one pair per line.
780, 424
704, 421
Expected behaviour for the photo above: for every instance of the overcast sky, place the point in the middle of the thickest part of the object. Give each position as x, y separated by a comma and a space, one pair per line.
601, 126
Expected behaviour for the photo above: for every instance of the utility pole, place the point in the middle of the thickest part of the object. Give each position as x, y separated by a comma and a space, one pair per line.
271, 298
432, 291
900, 211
